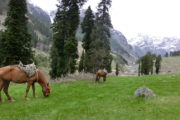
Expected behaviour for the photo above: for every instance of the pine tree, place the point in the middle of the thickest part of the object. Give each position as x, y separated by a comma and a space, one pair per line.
16, 41
64, 48
73, 23
117, 69
147, 64
87, 27
158, 63
0, 35
166, 55
100, 46
58, 59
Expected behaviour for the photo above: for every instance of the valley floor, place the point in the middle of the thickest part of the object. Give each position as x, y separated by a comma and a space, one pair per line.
86, 100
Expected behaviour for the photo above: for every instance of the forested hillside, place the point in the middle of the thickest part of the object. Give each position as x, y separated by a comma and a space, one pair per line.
38, 26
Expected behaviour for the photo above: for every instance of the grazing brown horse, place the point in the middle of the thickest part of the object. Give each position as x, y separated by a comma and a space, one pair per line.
99, 74
16, 75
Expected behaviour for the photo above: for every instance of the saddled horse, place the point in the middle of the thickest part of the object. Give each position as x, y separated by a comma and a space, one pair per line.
15, 74
99, 74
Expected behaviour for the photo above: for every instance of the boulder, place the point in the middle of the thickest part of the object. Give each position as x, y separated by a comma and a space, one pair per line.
144, 92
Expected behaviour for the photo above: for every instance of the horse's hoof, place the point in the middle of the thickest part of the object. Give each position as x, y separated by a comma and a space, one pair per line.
12, 100
27, 99
1, 100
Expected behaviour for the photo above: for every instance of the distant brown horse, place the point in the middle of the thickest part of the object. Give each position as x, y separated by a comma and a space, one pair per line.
99, 74
16, 75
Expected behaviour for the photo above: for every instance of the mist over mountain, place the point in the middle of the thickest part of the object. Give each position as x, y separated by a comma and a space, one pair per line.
158, 45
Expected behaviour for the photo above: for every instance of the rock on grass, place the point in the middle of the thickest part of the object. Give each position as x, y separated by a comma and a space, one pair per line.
144, 92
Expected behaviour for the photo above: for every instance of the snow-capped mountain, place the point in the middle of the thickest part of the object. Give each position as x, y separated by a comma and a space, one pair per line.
158, 45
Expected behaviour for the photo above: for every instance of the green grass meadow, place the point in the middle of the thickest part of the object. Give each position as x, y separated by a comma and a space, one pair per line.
86, 100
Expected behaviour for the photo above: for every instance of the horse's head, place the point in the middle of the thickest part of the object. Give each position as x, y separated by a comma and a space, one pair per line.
46, 90
43, 82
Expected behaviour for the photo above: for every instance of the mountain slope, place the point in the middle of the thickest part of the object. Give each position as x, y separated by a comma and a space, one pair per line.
39, 27
120, 46
39, 13
118, 41
39, 24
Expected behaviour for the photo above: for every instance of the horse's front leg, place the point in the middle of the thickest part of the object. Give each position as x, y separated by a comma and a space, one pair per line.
97, 78
27, 90
104, 78
33, 88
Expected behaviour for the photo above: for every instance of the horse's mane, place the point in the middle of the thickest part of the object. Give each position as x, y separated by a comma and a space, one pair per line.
41, 77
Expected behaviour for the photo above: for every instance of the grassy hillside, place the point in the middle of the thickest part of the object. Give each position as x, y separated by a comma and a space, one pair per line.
86, 100
170, 65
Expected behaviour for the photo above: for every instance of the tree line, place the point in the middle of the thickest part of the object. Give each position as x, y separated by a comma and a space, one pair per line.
172, 53
95, 27
148, 62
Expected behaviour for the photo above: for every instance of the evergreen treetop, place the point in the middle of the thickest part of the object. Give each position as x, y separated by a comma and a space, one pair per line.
16, 41
87, 27
102, 15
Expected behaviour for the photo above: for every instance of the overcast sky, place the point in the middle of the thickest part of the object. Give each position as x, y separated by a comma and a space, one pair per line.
152, 17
